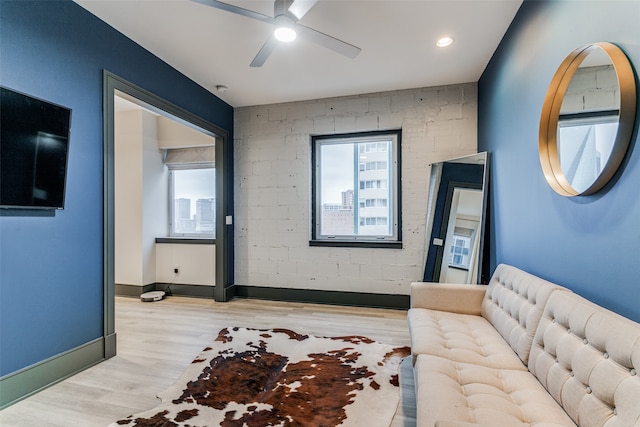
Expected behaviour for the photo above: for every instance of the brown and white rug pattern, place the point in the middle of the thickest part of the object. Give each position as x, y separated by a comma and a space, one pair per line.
277, 377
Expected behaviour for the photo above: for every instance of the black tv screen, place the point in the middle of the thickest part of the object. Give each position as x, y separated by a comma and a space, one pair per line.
34, 146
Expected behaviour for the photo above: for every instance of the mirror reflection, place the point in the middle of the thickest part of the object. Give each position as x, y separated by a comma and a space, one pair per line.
460, 252
588, 120
455, 220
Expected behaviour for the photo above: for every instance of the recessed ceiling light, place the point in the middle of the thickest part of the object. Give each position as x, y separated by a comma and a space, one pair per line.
444, 42
221, 88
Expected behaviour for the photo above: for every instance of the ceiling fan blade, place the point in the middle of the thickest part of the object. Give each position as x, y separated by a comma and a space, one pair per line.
237, 10
329, 42
264, 52
299, 8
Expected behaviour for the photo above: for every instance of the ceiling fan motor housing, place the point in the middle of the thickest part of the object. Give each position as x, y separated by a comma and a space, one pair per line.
281, 7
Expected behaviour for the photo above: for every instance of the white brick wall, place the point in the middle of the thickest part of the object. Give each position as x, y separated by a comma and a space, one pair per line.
273, 185
592, 88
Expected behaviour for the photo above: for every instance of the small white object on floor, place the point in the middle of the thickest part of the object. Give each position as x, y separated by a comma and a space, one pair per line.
152, 296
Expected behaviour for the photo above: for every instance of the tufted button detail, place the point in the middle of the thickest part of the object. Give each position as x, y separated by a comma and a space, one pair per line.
568, 331
571, 373
615, 411
588, 390
605, 355
586, 341
632, 372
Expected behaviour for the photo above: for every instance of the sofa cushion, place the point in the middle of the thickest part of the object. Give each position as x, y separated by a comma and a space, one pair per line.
589, 358
451, 297
459, 337
454, 393
514, 303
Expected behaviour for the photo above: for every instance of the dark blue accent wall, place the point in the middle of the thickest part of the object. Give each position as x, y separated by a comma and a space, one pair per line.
51, 291
590, 244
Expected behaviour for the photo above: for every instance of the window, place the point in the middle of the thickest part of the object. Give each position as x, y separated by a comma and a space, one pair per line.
192, 187
369, 203
585, 141
365, 168
367, 220
463, 239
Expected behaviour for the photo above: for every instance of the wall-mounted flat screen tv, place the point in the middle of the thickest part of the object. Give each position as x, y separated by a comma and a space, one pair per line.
34, 146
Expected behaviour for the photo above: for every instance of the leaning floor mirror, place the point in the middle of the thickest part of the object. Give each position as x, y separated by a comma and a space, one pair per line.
456, 214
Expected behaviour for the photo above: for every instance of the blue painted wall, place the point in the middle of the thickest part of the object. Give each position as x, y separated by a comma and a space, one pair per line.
51, 267
589, 244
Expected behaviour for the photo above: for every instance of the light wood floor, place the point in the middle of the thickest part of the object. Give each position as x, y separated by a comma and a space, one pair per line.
156, 341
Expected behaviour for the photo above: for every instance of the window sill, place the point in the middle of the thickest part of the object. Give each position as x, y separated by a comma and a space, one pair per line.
385, 244
186, 240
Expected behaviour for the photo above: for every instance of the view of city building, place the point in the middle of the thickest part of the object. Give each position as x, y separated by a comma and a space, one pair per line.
194, 204
201, 222
366, 209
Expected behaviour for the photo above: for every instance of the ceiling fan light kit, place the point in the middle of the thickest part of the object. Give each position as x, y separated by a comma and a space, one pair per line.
285, 29
286, 22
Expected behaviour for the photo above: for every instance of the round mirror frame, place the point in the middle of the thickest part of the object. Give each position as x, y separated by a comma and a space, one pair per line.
547, 142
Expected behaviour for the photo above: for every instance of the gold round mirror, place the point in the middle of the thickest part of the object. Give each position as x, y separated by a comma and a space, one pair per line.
587, 119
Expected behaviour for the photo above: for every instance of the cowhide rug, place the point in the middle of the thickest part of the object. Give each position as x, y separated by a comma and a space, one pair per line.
277, 377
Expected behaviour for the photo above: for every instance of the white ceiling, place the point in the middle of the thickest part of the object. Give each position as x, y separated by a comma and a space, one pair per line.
397, 38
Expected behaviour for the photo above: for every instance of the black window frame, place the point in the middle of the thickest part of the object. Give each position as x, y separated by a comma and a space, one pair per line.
395, 240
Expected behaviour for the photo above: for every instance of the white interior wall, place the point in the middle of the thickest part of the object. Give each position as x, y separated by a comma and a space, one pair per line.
155, 196
195, 263
128, 198
172, 134
272, 150
141, 197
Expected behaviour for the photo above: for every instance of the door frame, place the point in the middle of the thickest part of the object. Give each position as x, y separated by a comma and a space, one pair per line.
222, 289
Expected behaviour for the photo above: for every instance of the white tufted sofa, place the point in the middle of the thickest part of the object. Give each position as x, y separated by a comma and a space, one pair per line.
521, 352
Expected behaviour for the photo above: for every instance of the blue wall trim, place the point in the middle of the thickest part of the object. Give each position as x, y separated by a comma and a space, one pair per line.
51, 290
589, 244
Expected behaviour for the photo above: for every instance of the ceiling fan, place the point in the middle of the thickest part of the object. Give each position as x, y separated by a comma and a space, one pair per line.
286, 17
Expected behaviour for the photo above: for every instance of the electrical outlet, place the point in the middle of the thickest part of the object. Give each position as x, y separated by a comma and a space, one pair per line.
176, 269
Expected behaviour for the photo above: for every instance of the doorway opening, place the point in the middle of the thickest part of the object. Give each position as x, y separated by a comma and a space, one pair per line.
116, 93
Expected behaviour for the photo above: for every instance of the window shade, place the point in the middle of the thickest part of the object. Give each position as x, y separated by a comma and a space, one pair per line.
177, 158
